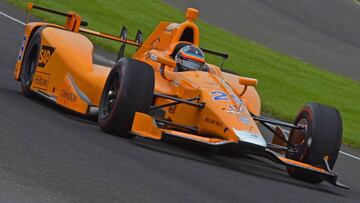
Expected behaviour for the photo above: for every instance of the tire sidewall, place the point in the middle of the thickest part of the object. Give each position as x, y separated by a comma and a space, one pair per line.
118, 71
322, 144
324, 126
135, 94
34, 41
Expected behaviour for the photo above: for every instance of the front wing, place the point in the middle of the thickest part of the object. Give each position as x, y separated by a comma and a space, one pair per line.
146, 126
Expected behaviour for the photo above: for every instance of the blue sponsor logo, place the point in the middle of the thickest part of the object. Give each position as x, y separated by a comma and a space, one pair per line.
245, 120
22, 48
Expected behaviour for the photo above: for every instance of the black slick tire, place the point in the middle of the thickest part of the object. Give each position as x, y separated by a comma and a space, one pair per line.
129, 88
320, 139
30, 62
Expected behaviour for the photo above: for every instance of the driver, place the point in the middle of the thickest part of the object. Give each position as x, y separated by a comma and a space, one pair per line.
190, 58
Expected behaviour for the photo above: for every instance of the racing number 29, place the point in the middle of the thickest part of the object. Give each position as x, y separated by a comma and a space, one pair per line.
219, 96
222, 96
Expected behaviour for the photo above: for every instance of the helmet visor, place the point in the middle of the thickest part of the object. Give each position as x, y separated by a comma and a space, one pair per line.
191, 65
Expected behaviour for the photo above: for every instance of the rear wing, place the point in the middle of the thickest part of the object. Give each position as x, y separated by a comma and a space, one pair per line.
74, 23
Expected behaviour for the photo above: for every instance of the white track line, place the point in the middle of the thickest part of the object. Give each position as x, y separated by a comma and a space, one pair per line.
350, 155
11, 18
99, 57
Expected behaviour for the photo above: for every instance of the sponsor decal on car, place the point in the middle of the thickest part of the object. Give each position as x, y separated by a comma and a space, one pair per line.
234, 110
222, 96
244, 120
45, 54
22, 48
239, 112
213, 121
219, 96
68, 95
41, 80
172, 109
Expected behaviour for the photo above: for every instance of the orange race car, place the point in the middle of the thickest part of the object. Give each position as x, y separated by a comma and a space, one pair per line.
166, 89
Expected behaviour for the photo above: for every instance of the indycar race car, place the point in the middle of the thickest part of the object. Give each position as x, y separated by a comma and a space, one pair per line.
167, 90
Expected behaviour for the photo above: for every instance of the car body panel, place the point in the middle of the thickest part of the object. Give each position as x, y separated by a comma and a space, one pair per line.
65, 69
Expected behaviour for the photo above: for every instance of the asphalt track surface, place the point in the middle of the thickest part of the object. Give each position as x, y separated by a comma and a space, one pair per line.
322, 32
50, 155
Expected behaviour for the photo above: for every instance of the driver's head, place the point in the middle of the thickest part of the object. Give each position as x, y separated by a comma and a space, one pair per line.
190, 58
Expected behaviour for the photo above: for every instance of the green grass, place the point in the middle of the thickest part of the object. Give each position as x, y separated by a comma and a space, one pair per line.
285, 83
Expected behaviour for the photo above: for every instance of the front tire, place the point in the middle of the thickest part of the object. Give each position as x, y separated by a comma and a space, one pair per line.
129, 89
320, 139
30, 63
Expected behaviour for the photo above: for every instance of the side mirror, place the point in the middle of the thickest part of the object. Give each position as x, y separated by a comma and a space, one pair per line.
248, 81
162, 60
139, 37
124, 33
84, 23
123, 36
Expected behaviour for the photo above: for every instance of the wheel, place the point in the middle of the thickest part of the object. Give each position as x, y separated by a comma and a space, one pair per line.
321, 138
30, 63
129, 88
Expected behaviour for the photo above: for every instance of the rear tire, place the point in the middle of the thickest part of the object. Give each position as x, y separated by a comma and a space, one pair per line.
129, 88
30, 63
321, 138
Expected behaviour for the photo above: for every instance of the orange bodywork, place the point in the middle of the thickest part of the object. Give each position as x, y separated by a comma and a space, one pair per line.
67, 75
220, 120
